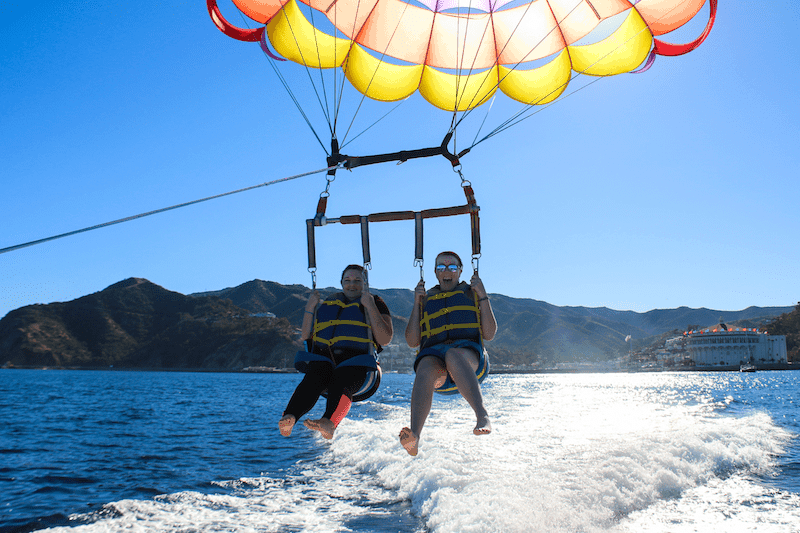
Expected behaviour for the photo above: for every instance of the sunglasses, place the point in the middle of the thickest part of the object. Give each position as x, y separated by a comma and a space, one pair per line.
451, 268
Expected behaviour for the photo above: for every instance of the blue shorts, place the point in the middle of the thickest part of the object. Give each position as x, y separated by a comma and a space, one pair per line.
439, 351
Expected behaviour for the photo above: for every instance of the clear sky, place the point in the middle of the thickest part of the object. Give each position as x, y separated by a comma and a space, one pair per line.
676, 187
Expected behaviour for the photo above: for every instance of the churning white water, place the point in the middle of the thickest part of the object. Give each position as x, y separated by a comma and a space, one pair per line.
573, 453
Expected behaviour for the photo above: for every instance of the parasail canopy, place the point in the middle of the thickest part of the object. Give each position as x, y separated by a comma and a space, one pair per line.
458, 53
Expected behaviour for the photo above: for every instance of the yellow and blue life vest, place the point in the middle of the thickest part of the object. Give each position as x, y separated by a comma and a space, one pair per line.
342, 325
449, 316
342, 337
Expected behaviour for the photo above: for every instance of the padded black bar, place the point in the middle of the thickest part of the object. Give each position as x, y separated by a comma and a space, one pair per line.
405, 215
418, 240
351, 162
365, 239
312, 254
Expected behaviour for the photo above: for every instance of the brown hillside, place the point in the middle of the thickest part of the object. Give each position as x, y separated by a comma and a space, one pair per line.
788, 324
137, 324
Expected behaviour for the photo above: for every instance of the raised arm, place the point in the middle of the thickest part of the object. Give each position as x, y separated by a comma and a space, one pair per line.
488, 322
382, 329
308, 316
413, 332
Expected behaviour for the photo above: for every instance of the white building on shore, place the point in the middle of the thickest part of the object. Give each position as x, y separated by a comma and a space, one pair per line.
723, 346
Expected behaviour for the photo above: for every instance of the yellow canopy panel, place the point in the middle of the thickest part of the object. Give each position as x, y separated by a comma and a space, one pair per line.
622, 51
453, 92
296, 39
537, 86
380, 80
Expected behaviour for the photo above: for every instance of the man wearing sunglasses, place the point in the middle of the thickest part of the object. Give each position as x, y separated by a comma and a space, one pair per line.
449, 323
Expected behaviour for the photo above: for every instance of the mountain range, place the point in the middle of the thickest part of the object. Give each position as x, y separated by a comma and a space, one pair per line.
138, 324
528, 330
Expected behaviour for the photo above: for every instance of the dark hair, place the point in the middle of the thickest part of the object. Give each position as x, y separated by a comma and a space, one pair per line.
352, 267
454, 255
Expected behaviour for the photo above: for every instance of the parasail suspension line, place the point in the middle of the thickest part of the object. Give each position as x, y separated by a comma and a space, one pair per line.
468, 112
157, 211
527, 112
293, 97
485, 117
260, 35
365, 130
659, 48
374, 74
323, 106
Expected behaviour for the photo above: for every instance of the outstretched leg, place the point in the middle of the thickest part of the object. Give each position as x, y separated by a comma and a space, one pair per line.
461, 364
306, 394
431, 373
346, 381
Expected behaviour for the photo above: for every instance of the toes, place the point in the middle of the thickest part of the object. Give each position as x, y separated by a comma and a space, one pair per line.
484, 427
325, 429
409, 441
286, 424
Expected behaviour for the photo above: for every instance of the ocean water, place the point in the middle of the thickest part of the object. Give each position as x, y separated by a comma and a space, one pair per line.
112, 451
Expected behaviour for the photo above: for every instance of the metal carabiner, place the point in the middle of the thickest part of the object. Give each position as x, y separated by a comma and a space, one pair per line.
420, 263
464, 181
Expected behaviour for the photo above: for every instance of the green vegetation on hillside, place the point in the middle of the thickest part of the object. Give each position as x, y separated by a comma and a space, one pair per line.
787, 324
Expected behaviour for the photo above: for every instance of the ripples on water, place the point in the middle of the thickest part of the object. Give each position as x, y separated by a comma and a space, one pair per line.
135, 451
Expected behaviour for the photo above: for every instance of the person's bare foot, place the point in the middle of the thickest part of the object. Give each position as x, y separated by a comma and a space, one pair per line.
323, 425
483, 427
409, 441
286, 424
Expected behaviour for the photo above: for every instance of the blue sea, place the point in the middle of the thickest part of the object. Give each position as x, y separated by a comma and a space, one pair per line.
580, 453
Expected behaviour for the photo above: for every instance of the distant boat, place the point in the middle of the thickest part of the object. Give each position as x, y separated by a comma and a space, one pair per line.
747, 367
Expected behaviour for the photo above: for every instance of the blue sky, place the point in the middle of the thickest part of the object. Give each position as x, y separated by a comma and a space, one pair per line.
676, 187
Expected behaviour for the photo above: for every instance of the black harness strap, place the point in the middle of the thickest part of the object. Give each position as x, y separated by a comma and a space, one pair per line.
471, 209
365, 241
350, 162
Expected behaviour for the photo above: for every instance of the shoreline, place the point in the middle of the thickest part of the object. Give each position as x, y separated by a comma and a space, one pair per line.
272, 370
